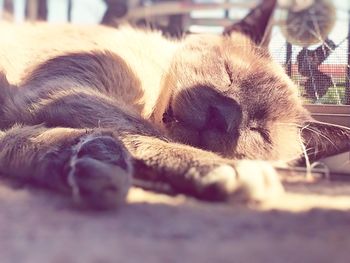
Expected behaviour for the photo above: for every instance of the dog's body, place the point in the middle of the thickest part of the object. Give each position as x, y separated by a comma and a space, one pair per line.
145, 55
85, 108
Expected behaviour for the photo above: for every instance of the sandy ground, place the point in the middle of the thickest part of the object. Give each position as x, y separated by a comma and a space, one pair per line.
311, 223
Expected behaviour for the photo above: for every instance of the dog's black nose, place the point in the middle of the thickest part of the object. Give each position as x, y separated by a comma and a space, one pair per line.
205, 108
223, 114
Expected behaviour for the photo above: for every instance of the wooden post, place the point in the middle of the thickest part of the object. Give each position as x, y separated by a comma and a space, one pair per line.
32, 10
69, 15
227, 11
42, 10
36, 10
347, 77
7, 13
289, 51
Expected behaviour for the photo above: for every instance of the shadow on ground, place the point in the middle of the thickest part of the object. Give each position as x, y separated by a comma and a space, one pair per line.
311, 223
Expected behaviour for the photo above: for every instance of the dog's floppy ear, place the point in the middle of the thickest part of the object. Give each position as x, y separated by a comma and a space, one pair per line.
322, 139
257, 24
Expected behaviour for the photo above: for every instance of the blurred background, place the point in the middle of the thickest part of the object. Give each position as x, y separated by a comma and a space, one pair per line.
310, 37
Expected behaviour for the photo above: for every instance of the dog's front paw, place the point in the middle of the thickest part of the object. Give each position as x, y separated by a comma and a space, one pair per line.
100, 172
245, 180
256, 181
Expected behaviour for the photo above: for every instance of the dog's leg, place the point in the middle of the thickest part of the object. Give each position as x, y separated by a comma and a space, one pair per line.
90, 164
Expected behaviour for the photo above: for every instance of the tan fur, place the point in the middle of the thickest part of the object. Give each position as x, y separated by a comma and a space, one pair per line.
97, 105
153, 68
145, 52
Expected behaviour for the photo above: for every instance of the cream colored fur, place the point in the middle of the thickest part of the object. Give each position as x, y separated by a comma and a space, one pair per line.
146, 52
86, 108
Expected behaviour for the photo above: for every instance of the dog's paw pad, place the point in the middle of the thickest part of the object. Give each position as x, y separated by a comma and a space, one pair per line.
100, 173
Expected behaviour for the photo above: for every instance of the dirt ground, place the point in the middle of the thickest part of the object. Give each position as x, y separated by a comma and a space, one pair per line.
310, 223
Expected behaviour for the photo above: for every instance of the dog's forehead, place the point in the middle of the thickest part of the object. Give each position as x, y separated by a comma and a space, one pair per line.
208, 39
